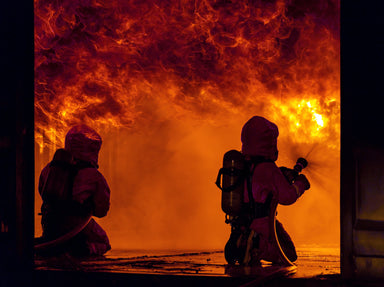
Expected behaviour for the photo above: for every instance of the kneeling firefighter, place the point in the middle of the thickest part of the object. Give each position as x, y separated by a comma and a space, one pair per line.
73, 191
251, 181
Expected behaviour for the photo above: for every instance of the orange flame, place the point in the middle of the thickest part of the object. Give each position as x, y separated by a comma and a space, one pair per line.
98, 60
140, 65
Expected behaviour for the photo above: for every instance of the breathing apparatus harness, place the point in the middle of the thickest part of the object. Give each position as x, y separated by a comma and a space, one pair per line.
231, 179
58, 201
237, 172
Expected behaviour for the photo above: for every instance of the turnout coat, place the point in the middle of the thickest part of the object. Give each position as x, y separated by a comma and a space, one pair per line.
259, 139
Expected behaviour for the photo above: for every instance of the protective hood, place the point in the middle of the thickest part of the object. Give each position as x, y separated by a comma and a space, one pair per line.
84, 143
259, 138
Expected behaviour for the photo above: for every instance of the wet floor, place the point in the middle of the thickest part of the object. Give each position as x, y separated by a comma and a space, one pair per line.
312, 262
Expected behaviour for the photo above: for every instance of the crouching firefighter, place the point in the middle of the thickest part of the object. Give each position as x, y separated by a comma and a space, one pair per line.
252, 185
73, 191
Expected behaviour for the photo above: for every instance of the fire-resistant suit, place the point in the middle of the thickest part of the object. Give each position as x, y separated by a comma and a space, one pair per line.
90, 196
259, 140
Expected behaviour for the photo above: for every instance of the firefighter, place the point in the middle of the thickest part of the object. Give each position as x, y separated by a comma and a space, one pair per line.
73, 190
259, 145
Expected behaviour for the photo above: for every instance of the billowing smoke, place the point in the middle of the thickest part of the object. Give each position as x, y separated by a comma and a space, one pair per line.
169, 84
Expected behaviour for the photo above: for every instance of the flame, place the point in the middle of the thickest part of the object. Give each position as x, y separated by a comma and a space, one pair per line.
97, 61
185, 68
309, 121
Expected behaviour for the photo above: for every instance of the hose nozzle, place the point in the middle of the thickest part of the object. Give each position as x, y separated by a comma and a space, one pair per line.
301, 163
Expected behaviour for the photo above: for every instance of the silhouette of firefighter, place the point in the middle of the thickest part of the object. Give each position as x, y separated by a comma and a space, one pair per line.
73, 190
251, 181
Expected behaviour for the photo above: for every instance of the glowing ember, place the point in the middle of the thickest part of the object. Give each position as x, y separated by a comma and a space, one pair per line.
170, 81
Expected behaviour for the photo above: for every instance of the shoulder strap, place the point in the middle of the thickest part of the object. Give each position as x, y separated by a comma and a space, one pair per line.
251, 168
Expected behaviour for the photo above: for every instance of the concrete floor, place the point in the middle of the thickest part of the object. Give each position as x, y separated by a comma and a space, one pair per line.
190, 268
316, 266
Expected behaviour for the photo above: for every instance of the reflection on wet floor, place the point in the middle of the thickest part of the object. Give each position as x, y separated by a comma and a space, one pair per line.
312, 262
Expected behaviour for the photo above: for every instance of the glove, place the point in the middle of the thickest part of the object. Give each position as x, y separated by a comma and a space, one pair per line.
289, 173
304, 181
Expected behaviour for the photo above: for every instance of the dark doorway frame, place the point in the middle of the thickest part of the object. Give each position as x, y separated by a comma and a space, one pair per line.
362, 143
16, 143
362, 60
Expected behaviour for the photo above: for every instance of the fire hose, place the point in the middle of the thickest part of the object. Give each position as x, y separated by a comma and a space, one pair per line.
273, 234
291, 175
63, 238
